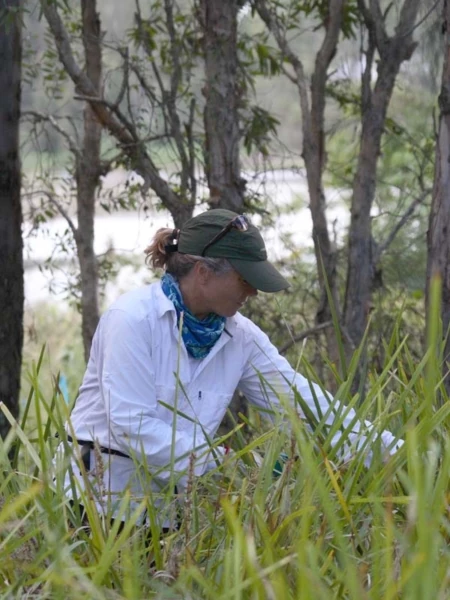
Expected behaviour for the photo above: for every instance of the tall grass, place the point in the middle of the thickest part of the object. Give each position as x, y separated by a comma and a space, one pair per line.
324, 528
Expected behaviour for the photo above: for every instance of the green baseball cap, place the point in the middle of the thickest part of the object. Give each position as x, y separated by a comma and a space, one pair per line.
244, 249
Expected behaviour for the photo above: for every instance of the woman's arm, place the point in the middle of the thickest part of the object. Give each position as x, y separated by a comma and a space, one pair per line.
268, 376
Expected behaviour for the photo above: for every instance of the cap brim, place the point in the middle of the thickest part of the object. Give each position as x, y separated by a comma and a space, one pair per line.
261, 274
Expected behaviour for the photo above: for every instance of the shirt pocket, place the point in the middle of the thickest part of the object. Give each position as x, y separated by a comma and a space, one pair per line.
210, 407
196, 410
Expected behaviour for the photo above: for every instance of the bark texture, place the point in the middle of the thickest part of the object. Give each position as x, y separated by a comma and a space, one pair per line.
438, 264
222, 136
11, 260
88, 170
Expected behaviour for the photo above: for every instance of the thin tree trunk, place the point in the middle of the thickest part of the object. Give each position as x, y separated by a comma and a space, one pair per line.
88, 169
359, 275
393, 51
222, 137
315, 159
438, 264
222, 165
312, 107
11, 260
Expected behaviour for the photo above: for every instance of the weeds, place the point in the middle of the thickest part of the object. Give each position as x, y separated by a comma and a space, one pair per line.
330, 525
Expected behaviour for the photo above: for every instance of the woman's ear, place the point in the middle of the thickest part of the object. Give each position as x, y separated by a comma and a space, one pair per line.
201, 272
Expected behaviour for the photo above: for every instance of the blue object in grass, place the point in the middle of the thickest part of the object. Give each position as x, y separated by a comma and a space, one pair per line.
279, 465
64, 388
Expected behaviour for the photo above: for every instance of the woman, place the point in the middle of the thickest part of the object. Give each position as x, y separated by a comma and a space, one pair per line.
166, 360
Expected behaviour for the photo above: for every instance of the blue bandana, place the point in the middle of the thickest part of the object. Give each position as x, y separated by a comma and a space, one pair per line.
199, 336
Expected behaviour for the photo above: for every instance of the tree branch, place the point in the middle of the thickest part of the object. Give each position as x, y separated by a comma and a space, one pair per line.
38, 117
270, 19
407, 21
146, 86
332, 29
144, 42
381, 248
62, 211
175, 80
111, 118
423, 19
374, 20
191, 148
319, 78
366, 78
304, 334
125, 81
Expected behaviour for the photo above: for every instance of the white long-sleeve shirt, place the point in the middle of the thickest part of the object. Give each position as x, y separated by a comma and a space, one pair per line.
139, 367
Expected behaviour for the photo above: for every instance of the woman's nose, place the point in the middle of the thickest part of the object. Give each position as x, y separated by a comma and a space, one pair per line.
251, 290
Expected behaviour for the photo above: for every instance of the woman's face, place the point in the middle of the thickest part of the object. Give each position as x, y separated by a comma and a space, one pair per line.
226, 293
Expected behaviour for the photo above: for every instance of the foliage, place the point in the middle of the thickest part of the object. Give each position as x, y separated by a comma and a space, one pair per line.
259, 129
327, 527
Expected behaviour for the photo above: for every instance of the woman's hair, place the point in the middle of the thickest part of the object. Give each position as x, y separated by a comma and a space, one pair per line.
178, 265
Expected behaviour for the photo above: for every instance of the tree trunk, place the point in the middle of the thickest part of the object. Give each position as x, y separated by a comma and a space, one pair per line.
312, 108
222, 137
359, 274
315, 159
11, 260
393, 51
222, 165
88, 169
438, 263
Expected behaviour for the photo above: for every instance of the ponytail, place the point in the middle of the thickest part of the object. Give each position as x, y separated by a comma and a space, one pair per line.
159, 251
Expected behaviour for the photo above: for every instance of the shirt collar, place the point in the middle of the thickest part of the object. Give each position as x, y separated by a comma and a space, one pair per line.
163, 303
